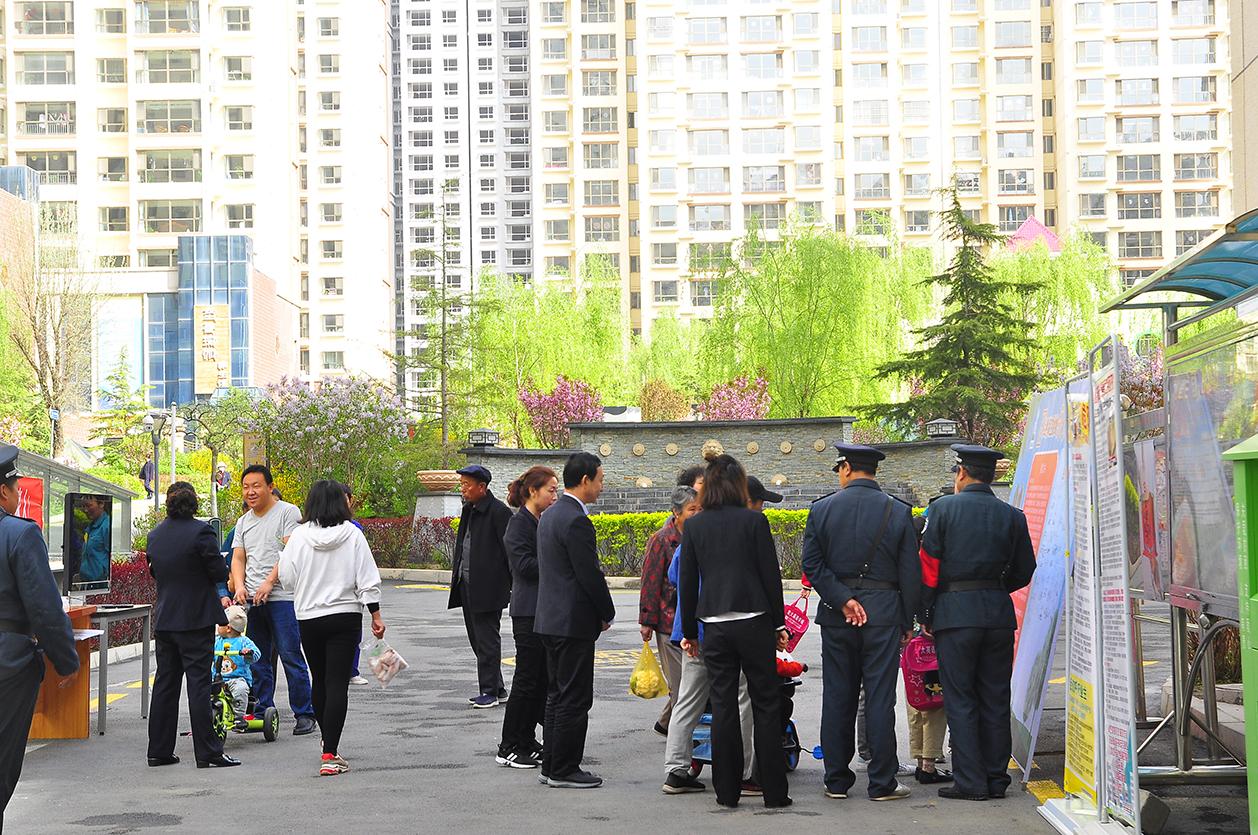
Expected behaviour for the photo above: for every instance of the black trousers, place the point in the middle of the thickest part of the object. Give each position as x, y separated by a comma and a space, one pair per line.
747, 646
328, 643
483, 635
569, 697
526, 709
18, 694
975, 666
852, 657
183, 655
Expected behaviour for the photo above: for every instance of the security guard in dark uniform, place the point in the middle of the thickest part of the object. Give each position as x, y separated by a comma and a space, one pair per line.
32, 624
860, 554
976, 550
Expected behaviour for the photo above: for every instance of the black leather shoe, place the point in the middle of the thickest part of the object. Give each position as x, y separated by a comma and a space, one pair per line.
778, 804
937, 776
998, 794
953, 793
305, 725
221, 761
154, 762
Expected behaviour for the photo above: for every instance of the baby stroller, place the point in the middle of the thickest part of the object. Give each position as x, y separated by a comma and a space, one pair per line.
702, 737
224, 715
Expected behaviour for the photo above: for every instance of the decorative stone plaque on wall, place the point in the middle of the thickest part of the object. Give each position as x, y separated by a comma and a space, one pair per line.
753, 448
639, 449
605, 450
819, 445
786, 447
671, 449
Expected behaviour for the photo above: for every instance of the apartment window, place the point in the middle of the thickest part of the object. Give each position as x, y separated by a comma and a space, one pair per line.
1139, 168
112, 169
870, 75
1092, 129
965, 5
806, 23
329, 64
1089, 52
663, 179
965, 73
113, 219
873, 148
1130, 278
707, 105
181, 166
598, 47
916, 111
1196, 166
602, 229
1195, 90
331, 250
329, 27
179, 116
239, 215
239, 166
555, 121
1136, 53
598, 11
1011, 217
111, 21
808, 138
1196, 204
1013, 33
333, 323
330, 175
664, 255
112, 119
1194, 50
708, 180
1089, 90
1014, 144
659, 28
599, 120
709, 218
663, 141
156, 17
1139, 205
555, 85
331, 212
599, 83
1140, 244
1088, 13
873, 186
558, 230
807, 61
1016, 181
807, 174
556, 194
334, 360
171, 66
330, 137
111, 70
1092, 166
602, 193
1013, 108
1142, 15
1192, 12
916, 220
870, 113
554, 11
1137, 129
760, 28
170, 216
236, 19
807, 98
966, 147
1137, 91
917, 185
329, 101
1187, 239
700, 30
759, 65
600, 155
333, 286
665, 291
1008, 71
1092, 204
555, 157
764, 178
964, 37
965, 110
1196, 128
872, 221
869, 38
914, 75
664, 217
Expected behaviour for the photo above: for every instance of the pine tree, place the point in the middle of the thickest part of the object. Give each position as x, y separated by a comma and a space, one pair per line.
119, 423
978, 364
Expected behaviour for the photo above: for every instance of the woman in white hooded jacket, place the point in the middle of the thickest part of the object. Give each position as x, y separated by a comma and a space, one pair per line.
328, 566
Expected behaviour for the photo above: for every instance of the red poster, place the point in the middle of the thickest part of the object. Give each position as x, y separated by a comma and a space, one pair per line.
30, 500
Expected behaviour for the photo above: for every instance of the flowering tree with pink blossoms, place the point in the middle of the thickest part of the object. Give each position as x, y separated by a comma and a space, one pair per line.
740, 399
11, 430
571, 401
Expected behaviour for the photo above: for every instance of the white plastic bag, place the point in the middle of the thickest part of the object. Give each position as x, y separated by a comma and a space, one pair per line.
384, 660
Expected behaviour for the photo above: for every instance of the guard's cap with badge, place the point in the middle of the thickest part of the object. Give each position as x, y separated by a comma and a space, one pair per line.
8, 462
857, 454
759, 493
975, 455
477, 472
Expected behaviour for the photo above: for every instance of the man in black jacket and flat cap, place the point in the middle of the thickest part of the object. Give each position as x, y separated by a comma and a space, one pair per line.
480, 579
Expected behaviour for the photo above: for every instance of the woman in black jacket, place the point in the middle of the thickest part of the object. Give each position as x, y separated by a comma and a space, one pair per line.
185, 562
532, 493
731, 581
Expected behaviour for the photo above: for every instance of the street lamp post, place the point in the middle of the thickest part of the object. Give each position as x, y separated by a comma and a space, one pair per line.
155, 422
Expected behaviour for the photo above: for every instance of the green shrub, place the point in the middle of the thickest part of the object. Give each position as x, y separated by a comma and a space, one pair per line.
118, 476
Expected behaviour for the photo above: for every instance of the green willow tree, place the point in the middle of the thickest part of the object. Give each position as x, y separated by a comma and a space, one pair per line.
978, 364
816, 312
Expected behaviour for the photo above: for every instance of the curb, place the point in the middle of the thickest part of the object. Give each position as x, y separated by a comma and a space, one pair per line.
436, 575
126, 652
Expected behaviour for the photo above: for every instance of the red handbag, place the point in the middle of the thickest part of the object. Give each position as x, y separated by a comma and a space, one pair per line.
796, 620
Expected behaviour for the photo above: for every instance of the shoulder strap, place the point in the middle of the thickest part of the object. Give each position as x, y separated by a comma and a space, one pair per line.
882, 528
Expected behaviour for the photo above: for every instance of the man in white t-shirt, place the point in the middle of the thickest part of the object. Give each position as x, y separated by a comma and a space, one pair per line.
261, 534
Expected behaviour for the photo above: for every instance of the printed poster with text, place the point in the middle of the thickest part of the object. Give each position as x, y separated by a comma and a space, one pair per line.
1040, 490
1081, 647
1119, 737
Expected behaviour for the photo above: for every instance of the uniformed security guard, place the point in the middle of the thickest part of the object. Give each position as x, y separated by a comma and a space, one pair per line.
860, 554
32, 623
975, 552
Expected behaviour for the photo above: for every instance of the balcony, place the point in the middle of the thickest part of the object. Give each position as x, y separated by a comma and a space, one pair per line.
58, 178
46, 127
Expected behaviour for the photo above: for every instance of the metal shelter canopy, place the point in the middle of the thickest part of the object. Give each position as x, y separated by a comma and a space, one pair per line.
1219, 271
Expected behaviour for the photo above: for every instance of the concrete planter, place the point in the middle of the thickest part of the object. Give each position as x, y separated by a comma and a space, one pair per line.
438, 481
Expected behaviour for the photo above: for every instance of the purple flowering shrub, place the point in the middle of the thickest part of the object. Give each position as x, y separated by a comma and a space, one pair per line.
740, 399
571, 401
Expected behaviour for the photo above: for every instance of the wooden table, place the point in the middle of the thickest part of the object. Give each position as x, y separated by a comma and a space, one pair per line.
62, 712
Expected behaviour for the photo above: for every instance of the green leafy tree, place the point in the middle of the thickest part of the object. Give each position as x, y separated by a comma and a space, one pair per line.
119, 422
671, 356
978, 364
218, 425
816, 313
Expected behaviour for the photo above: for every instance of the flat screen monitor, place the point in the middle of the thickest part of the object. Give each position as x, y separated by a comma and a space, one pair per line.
88, 543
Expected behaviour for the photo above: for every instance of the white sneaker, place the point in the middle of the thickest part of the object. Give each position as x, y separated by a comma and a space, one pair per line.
358, 680
906, 768
900, 792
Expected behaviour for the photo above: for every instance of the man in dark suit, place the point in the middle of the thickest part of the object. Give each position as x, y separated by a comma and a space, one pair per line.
573, 607
976, 551
186, 564
860, 554
480, 580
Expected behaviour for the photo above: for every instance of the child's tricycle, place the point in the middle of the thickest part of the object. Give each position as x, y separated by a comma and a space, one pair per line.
224, 714
702, 738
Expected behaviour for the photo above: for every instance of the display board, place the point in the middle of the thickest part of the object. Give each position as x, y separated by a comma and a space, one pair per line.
1040, 490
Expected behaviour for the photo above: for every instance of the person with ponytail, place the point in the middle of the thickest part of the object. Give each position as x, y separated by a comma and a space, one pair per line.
532, 493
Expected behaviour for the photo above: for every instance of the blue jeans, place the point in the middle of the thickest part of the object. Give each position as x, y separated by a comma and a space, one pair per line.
273, 627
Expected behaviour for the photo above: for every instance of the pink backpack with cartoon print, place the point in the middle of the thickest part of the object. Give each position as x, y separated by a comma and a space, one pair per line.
920, 667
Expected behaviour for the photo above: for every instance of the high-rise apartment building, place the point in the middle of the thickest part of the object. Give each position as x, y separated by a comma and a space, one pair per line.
1244, 46
152, 119
465, 153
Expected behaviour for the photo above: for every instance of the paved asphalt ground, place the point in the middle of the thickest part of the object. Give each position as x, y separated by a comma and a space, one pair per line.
422, 761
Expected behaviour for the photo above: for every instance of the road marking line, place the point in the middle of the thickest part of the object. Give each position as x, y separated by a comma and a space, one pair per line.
135, 685
425, 586
110, 698
1045, 790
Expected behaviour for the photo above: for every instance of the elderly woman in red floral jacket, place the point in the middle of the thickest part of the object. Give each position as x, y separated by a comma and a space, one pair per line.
658, 600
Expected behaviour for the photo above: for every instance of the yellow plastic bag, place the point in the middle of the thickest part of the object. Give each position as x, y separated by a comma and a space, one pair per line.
647, 679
